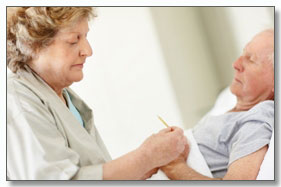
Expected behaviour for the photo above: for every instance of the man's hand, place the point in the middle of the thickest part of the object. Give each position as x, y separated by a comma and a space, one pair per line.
245, 168
181, 159
149, 174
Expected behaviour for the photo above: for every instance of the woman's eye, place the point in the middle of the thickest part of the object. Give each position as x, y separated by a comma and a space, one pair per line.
76, 40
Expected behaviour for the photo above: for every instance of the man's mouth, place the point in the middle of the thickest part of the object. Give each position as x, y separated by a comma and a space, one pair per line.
237, 80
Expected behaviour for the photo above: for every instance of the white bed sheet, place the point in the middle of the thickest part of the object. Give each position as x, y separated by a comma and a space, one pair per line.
195, 159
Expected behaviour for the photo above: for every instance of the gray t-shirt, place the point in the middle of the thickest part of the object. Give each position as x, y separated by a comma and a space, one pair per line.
225, 138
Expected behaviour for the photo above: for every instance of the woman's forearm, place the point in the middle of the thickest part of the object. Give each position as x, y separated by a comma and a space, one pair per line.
157, 150
131, 166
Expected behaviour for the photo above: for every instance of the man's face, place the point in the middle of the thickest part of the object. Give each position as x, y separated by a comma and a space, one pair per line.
254, 73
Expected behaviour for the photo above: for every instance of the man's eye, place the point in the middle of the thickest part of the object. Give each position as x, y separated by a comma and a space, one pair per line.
73, 43
251, 60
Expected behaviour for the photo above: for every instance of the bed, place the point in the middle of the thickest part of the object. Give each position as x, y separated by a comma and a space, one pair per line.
225, 101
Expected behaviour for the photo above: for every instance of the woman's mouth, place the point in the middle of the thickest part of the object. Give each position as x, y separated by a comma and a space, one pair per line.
78, 65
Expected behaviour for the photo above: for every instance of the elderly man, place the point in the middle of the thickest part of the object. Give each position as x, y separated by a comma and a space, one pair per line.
234, 144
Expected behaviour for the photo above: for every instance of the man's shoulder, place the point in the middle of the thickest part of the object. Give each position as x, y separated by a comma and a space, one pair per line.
265, 106
264, 109
261, 113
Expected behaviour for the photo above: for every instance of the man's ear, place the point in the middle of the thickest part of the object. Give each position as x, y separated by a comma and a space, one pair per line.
273, 86
272, 91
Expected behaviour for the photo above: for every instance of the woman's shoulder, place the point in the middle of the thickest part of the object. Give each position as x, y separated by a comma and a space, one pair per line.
23, 94
18, 85
25, 82
15, 84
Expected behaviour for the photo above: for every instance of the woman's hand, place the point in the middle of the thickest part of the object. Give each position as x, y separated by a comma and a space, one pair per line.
181, 159
161, 148
157, 150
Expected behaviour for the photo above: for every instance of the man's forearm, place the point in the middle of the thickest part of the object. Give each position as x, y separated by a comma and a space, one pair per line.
183, 172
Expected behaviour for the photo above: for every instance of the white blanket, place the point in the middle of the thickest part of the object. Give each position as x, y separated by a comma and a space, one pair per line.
195, 160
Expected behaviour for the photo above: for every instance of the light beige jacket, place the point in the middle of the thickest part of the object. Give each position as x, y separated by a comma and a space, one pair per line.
44, 139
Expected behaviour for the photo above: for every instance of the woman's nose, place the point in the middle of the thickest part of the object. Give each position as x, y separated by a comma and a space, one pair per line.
237, 65
86, 49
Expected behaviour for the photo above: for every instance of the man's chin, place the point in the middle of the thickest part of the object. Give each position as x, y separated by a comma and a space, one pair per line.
234, 89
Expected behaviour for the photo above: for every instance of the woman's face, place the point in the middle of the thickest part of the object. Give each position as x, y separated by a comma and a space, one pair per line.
61, 63
254, 73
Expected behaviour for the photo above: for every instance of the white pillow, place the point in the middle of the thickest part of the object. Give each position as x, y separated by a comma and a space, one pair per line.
225, 102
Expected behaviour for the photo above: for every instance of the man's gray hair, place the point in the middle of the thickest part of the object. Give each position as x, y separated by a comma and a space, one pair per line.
271, 55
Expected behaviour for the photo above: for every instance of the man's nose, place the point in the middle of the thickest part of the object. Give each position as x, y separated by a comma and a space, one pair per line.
238, 64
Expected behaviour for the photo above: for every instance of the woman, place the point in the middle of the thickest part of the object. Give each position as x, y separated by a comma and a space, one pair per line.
234, 144
50, 130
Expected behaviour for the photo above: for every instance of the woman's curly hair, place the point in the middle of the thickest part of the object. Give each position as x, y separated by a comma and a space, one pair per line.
30, 29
